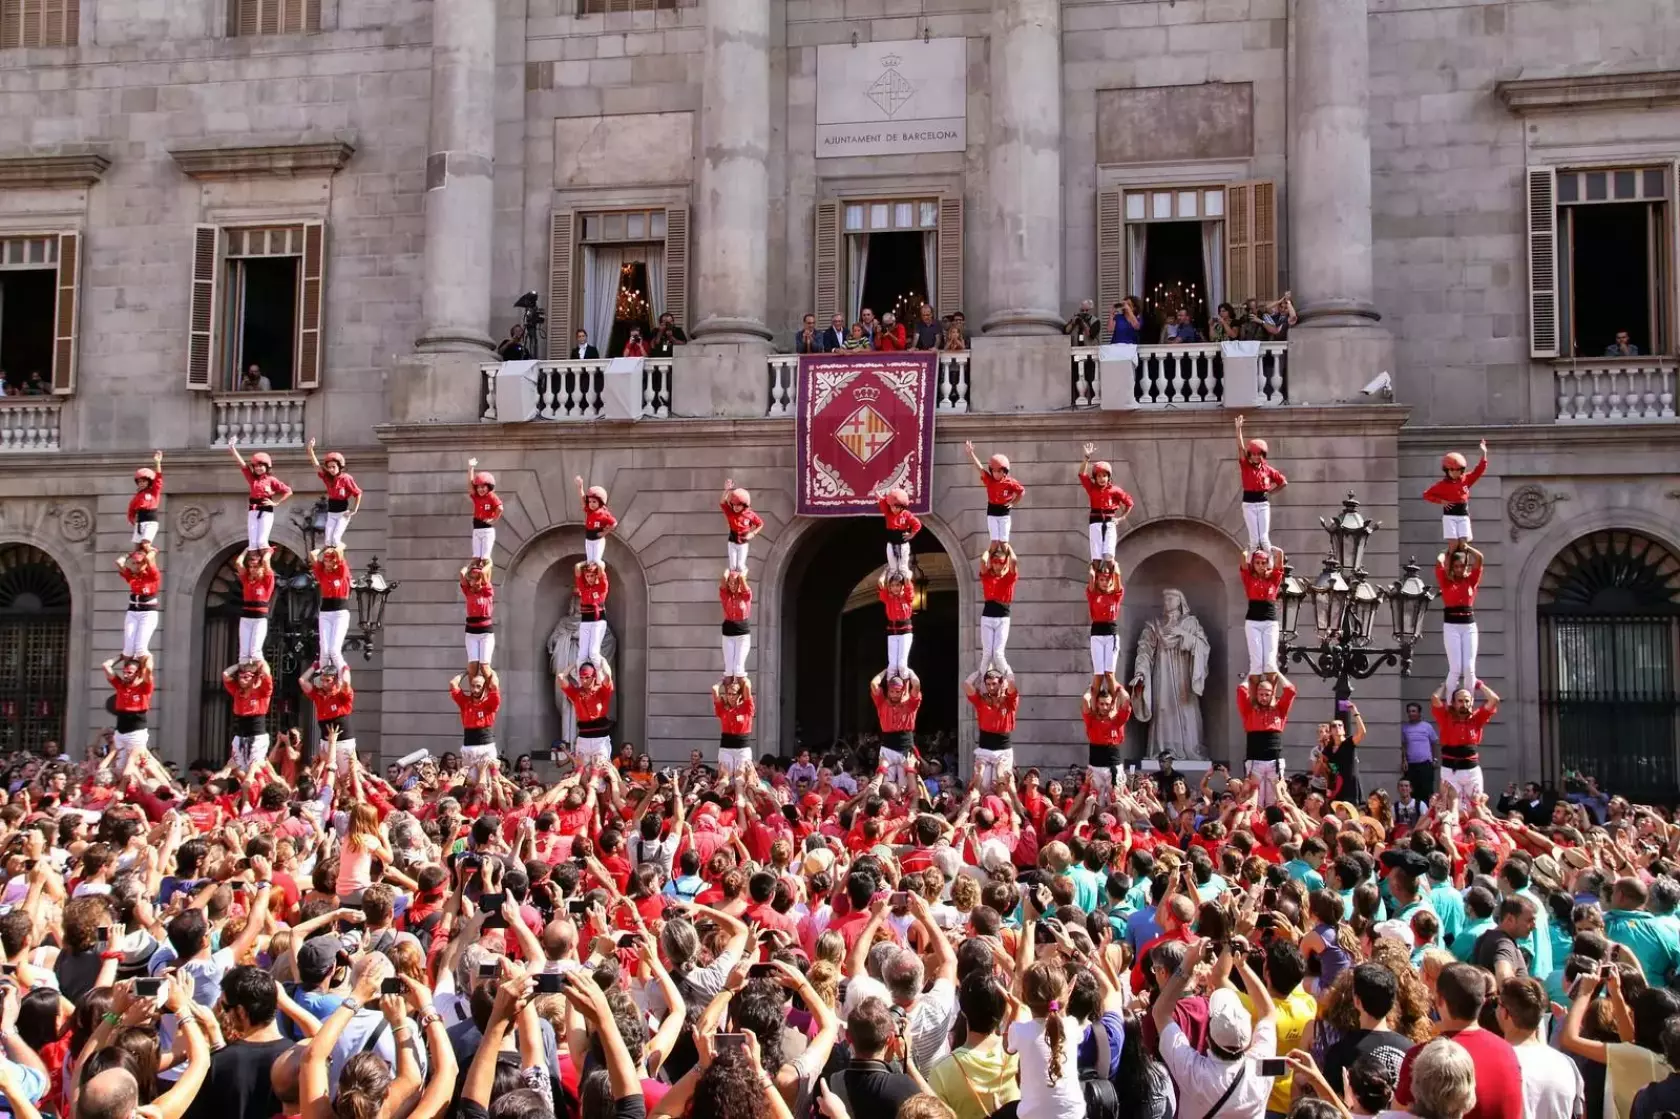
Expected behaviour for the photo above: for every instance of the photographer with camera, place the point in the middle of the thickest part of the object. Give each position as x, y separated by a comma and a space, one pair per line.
667, 336
515, 346
1234, 1078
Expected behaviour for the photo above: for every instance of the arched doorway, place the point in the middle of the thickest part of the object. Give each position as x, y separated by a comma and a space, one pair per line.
34, 648
1609, 625
834, 635
1203, 589
289, 648
557, 625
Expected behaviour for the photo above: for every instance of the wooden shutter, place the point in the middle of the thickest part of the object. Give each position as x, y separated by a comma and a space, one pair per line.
950, 255
562, 239
310, 285
1542, 262
676, 265
1264, 195
1251, 241
202, 358
825, 253
1111, 252
65, 313
11, 24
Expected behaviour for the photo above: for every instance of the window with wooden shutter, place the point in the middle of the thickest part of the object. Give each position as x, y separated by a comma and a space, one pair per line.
1251, 241
950, 283
825, 263
65, 313
311, 282
1111, 252
562, 239
202, 351
39, 23
1542, 262
676, 264
272, 17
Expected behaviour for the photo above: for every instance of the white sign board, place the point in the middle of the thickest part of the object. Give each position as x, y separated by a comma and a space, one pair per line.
901, 98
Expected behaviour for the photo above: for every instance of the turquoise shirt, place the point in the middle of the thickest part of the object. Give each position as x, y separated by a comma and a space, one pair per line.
1464, 944
1347, 907
1538, 944
1656, 946
1215, 886
1448, 905
1088, 887
1138, 896
1298, 870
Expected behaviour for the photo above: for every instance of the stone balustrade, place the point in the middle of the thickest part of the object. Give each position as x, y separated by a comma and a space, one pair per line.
259, 419
1180, 375
1615, 390
515, 392
950, 390
29, 423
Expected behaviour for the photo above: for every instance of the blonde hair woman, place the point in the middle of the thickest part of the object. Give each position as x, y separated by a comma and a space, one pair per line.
365, 842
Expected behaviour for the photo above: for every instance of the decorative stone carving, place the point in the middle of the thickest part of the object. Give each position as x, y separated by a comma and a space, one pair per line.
75, 522
1647, 89
1169, 674
1530, 507
193, 521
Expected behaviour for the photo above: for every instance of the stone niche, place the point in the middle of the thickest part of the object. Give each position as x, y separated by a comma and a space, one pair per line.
1213, 120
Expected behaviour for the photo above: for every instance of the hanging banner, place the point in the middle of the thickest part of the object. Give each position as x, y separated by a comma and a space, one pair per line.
864, 426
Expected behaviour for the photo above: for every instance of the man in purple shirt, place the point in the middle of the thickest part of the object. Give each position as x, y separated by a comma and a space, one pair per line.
1418, 740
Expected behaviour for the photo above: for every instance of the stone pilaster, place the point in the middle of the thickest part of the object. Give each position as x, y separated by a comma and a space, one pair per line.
1024, 169
1338, 346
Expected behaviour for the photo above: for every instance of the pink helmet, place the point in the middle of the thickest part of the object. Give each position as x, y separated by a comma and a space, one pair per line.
1258, 447
597, 492
1452, 460
999, 462
333, 456
144, 474
1101, 467
898, 497
484, 478
737, 495
261, 458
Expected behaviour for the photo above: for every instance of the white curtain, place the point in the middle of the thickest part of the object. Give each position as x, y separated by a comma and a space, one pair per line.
857, 267
930, 265
601, 267
656, 279
1213, 265
1137, 248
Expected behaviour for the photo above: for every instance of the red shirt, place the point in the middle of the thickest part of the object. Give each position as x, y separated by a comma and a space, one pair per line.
1458, 592
592, 594
737, 719
737, 605
900, 603
1499, 1081
999, 588
766, 917
143, 582
135, 698
146, 498
898, 716
335, 583
339, 703
1460, 732
481, 599
265, 487
1275, 717
1002, 491
253, 702
741, 523
900, 520
996, 718
340, 486
1449, 492
477, 713
889, 337
598, 520
1105, 605
1260, 478
1262, 588
486, 506
259, 587
590, 706
1109, 499
1107, 732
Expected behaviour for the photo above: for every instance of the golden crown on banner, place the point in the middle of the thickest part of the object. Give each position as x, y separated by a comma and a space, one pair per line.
866, 393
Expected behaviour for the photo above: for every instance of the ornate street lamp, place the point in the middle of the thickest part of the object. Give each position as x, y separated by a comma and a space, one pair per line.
1329, 595
1349, 531
371, 589
311, 524
1408, 599
1294, 592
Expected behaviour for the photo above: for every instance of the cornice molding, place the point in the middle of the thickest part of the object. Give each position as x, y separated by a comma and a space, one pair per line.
264, 160
1571, 93
52, 172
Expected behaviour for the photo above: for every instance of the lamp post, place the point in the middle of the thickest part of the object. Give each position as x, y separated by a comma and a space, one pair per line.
1344, 610
301, 598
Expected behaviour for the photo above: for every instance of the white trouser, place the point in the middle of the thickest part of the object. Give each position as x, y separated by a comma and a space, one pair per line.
138, 627
593, 749
994, 636
735, 654
1455, 528
332, 626
336, 524
252, 633
145, 530
1259, 772
1103, 536
594, 549
898, 558
345, 754
997, 528
738, 556
123, 745
590, 636
1105, 653
258, 524
1461, 640
1102, 780
247, 752
480, 647
898, 653
1467, 783
733, 760
477, 759
1257, 517
989, 765
483, 542
892, 764
1262, 646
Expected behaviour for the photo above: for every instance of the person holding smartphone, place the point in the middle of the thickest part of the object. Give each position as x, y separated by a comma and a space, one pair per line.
1229, 1079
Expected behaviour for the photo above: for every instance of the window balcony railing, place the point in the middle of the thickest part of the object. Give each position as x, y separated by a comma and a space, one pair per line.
29, 423
259, 419
1180, 376
950, 393
1615, 389
518, 391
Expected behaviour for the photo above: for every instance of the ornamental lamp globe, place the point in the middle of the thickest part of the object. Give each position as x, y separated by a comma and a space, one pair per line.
1363, 600
1330, 597
1408, 599
1293, 593
1349, 531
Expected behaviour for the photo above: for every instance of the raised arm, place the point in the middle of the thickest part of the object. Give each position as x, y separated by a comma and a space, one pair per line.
233, 449
1242, 444
1085, 453
310, 447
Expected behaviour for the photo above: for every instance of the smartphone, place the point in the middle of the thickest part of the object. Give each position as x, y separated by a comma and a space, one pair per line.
1268, 897
729, 1043
577, 907
490, 903
1043, 935
391, 985
627, 940
762, 971
104, 938
549, 983
900, 899
1274, 1066
487, 971
494, 921
148, 988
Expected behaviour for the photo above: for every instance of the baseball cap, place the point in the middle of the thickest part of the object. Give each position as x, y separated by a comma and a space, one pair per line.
818, 861
1229, 1024
1394, 930
319, 957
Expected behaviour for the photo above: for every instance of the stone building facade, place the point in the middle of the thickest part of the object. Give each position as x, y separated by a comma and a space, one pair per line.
357, 191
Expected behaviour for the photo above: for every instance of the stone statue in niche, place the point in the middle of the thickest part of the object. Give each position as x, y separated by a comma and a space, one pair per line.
563, 654
1169, 674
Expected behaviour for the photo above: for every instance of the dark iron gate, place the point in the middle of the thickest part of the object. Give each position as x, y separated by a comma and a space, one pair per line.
34, 649
288, 649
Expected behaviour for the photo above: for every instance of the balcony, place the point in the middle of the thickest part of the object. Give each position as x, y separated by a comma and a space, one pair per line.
623, 388
1183, 376
29, 424
950, 394
259, 419
1615, 390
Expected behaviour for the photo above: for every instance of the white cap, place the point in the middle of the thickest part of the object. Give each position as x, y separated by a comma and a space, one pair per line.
1229, 1024
994, 855
818, 861
1394, 930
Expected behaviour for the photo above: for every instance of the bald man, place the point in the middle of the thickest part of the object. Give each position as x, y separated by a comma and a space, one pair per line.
113, 1094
